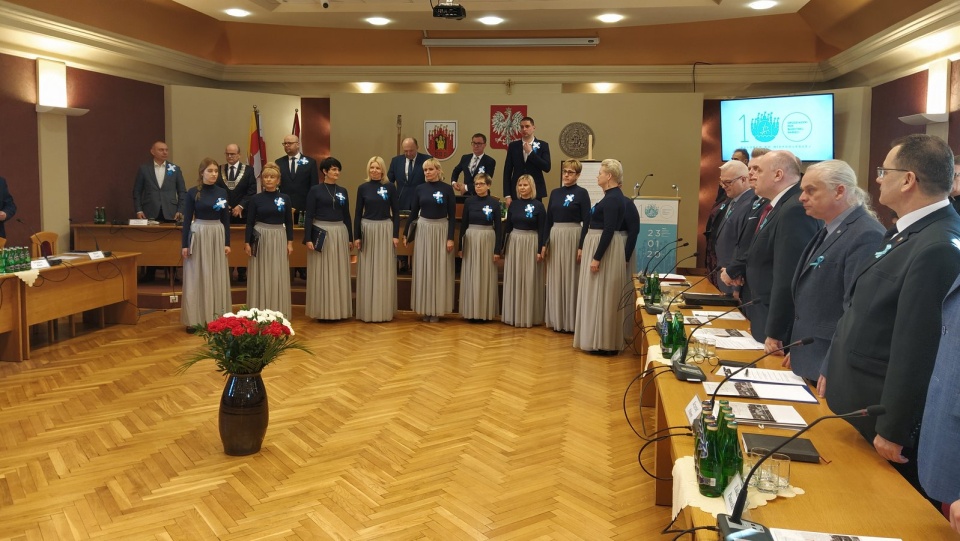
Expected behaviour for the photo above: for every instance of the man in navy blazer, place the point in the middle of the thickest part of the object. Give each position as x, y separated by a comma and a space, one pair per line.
784, 229
829, 263
237, 179
7, 207
940, 437
298, 173
406, 171
887, 339
473, 163
734, 213
526, 156
158, 190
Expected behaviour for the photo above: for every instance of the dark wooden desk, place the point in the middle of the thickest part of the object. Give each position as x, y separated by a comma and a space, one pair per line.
11, 347
857, 492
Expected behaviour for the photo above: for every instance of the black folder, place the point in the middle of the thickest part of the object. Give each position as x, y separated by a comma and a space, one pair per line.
799, 450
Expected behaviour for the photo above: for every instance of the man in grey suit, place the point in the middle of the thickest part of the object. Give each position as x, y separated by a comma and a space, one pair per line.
828, 265
158, 190
940, 438
887, 339
783, 231
735, 210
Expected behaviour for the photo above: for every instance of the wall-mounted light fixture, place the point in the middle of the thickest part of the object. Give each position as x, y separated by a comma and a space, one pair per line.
938, 95
52, 89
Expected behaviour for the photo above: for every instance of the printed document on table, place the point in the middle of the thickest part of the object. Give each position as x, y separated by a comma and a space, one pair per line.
765, 391
766, 414
717, 314
729, 338
780, 534
762, 375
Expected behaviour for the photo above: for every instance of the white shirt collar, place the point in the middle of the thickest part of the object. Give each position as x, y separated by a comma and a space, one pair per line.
911, 218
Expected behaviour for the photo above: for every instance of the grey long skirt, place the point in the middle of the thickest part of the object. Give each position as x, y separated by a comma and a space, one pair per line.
329, 295
206, 275
431, 293
562, 277
479, 292
524, 289
376, 272
600, 314
268, 279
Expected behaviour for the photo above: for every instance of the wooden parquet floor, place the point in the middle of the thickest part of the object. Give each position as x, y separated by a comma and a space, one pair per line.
405, 430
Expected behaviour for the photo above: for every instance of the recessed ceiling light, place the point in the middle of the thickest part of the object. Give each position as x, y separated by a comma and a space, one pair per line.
490, 21
378, 21
761, 4
236, 12
367, 87
610, 18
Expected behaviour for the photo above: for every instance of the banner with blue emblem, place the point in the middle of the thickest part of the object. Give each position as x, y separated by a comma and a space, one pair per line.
658, 233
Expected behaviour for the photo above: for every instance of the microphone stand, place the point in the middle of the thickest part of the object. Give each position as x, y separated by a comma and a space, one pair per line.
650, 308
734, 527
684, 371
642, 182
52, 262
646, 269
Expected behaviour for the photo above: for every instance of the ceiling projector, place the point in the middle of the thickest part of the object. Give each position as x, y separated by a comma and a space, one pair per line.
449, 11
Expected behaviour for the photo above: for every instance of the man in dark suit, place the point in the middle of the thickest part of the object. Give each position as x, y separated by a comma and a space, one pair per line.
783, 231
828, 265
7, 207
887, 339
734, 213
940, 438
473, 163
526, 156
955, 192
158, 190
238, 180
732, 275
298, 173
406, 171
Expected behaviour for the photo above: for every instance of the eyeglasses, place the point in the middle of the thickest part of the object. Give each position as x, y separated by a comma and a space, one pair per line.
477, 143
730, 181
285, 143
569, 172
881, 171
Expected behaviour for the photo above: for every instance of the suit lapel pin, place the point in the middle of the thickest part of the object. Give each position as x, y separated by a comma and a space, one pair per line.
883, 252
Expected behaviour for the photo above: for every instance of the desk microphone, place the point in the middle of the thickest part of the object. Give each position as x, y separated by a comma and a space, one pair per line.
95, 243
668, 252
733, 527
53, 262
653, 309
684, 371
802, 342
691, 286
638, 186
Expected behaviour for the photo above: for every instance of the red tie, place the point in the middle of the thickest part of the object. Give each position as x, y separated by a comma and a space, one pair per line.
763, 216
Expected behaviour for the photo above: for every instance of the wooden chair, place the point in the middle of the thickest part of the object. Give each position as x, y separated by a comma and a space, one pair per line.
43, 244
3, 242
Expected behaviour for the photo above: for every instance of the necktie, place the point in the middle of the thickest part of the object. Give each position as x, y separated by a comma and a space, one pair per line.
821, 236
473, 164
233, 173
293, 165
763, 216
409, 168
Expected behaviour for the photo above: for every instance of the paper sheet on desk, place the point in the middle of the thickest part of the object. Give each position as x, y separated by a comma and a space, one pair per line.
766, 391
762, 375
729, 338
780, 534
715, 314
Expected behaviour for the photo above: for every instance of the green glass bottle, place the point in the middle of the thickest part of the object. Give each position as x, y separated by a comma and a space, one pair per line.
708, 478
732, 462
666, 338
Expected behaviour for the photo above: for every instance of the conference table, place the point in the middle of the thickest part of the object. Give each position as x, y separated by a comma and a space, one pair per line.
851, 491
77, 285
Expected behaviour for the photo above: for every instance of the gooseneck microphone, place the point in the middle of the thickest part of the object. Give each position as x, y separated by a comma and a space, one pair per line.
802, 342
733, 527
684, 371
640, 185
668, 252
646, 269
53, 262
653, 309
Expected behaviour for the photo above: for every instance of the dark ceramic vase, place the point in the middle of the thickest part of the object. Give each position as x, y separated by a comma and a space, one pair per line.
244, 414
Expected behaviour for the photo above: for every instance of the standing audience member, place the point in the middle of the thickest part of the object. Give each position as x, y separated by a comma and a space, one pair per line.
158, 192
205, 246
376, 228
955, 191
480, 249
886, 341
526, 156
473, 164
600, 314
238, 180
524, 248
733, 180
829, 263
406, 172
298, 174
732, 274
270, 220
434, 208
567, 210
328, 237
7, 207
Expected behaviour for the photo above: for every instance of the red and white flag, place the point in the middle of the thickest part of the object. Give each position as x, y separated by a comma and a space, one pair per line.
296, 125
258, 148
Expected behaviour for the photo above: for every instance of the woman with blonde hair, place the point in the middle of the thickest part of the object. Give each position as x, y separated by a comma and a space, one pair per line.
480, 250
376, 231
434, 208
205, 246
525, 247
269, 243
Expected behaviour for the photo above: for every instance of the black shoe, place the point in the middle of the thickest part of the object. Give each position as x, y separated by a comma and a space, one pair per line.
191, 330
241, 277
